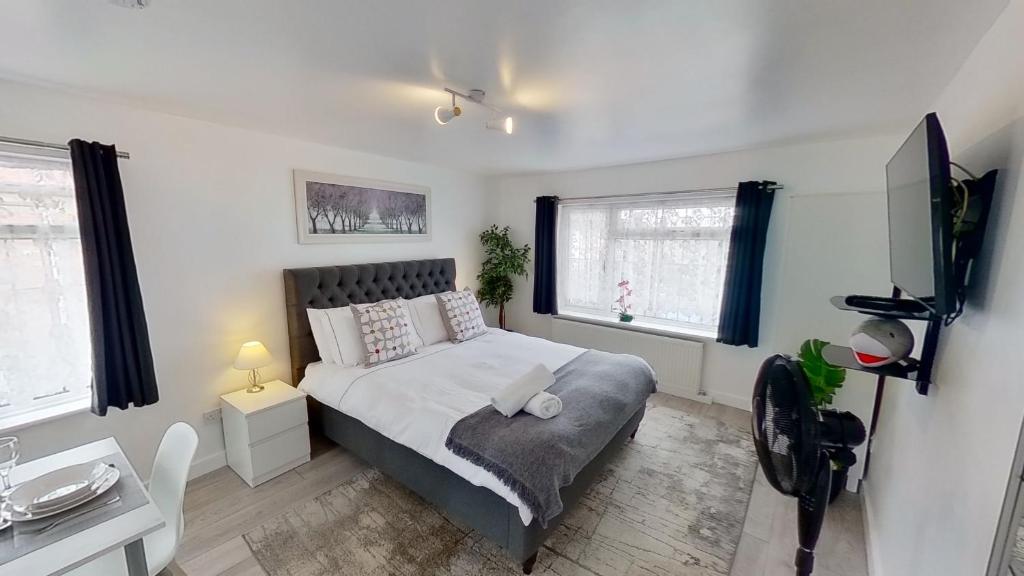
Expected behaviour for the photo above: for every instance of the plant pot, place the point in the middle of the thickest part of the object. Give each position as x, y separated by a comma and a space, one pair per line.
625, 317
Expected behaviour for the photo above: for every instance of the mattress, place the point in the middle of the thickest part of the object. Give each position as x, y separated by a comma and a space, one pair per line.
415, 401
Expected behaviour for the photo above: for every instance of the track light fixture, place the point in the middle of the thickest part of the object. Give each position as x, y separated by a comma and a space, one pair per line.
443, 114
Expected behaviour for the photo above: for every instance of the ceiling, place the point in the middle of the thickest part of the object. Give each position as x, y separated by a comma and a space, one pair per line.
589, 82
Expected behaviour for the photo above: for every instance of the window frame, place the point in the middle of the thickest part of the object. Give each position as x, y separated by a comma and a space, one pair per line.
45, 407
616, 231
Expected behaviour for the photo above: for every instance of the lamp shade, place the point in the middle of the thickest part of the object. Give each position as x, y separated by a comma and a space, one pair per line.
253, 355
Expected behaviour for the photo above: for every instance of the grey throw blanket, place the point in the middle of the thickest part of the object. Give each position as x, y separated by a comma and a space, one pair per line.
600, 392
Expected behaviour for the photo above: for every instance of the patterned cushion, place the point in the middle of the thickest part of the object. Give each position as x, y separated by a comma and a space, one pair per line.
386, 331
461, 315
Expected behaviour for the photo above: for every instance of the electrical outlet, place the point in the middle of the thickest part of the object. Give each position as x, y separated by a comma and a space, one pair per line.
211, 416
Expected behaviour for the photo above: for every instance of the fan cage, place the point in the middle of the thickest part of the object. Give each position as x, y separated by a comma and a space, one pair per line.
785, 426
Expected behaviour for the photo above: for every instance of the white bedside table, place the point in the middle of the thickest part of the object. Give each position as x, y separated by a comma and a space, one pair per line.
266, 433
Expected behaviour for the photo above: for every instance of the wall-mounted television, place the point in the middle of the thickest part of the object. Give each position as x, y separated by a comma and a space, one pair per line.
920, 200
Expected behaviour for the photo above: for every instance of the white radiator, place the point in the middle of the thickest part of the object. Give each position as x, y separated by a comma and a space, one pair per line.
676, 362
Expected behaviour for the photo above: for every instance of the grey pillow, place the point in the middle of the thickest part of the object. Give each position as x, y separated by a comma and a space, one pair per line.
461, 314
386, 331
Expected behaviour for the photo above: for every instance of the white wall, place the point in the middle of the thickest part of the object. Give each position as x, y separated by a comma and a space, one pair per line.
213, 224
827, 237
941, 463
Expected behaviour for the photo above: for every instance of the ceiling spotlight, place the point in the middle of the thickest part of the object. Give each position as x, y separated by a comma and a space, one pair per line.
444, 115
506, 124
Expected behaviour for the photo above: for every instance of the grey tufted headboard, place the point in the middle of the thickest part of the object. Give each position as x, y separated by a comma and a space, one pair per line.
335, 286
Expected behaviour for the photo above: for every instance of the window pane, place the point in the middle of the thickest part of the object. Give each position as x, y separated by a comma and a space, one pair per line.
44, 343
672, 250
675, 280
583, 246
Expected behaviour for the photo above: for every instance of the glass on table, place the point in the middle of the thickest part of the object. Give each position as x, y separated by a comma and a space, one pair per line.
9, 453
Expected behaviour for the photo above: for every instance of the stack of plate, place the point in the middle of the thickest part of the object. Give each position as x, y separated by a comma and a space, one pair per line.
59, 491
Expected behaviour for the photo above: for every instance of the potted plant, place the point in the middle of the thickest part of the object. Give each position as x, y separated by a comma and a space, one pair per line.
621, 304
825, 379
503, 261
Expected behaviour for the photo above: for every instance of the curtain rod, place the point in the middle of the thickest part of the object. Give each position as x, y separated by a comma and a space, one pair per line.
47, 145
772, 187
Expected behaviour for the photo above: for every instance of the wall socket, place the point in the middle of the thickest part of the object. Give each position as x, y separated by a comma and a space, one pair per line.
211, 416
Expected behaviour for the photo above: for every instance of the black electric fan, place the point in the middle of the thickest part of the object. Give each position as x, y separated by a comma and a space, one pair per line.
796, 445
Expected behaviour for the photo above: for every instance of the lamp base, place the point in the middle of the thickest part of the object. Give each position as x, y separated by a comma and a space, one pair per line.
254, 382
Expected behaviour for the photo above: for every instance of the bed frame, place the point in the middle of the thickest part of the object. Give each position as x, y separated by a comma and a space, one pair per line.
474, 506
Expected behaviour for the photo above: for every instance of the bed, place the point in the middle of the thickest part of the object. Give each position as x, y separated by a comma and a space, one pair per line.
481, 504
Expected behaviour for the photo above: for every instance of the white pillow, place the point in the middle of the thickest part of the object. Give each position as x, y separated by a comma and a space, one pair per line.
426, 318
340, 341
326, 344
414, 335
345, 330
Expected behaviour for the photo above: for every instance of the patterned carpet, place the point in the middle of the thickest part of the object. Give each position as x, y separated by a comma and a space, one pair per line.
672, 502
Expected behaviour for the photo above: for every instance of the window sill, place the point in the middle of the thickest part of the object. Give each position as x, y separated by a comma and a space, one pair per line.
641, 326
17, 422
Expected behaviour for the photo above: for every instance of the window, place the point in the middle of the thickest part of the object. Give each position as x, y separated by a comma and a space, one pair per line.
45, 353
672, 248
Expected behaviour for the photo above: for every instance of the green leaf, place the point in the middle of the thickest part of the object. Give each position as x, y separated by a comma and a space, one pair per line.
823, 378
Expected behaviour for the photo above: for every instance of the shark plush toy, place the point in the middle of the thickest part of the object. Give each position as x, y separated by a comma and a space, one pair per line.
880, 341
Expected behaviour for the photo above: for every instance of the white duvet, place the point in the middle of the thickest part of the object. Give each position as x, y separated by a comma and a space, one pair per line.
415, 401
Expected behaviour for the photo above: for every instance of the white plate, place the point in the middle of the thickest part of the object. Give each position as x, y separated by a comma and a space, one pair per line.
56, 489
98, 487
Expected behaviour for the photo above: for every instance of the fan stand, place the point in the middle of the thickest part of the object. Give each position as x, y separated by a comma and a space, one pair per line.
811, 516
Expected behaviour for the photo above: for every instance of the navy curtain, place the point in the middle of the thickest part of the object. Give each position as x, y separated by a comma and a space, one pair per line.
545, 300
122, 360
740, 317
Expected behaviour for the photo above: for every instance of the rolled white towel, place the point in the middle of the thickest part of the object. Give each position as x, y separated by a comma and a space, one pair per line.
544, 405
513, 397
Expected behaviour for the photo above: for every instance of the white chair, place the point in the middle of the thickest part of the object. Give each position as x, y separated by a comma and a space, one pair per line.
167, 487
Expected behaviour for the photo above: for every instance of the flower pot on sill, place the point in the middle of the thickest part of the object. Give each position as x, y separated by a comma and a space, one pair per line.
623, 317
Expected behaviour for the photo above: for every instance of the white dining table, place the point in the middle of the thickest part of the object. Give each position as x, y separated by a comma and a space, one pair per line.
122, 531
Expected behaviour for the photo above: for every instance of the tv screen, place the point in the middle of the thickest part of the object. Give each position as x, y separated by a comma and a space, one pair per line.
920, 221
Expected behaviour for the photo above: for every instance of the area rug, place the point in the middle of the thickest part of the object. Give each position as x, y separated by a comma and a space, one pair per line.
672, 502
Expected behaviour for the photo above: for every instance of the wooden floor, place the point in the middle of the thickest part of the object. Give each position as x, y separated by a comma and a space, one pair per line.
219, 508
769, 537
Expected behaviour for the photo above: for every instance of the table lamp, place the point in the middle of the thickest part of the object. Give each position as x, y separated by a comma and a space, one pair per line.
252, 356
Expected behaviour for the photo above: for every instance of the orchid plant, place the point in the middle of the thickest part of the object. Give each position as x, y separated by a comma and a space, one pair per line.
622, 305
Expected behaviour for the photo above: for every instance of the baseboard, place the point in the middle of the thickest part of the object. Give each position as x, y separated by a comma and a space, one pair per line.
208, 464
874, 561
734, 400
685, 393
702, 398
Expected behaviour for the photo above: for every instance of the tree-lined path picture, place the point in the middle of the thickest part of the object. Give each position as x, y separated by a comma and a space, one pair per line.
337, 208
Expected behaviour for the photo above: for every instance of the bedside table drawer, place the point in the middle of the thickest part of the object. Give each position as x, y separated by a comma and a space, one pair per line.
279, 450
266, 423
